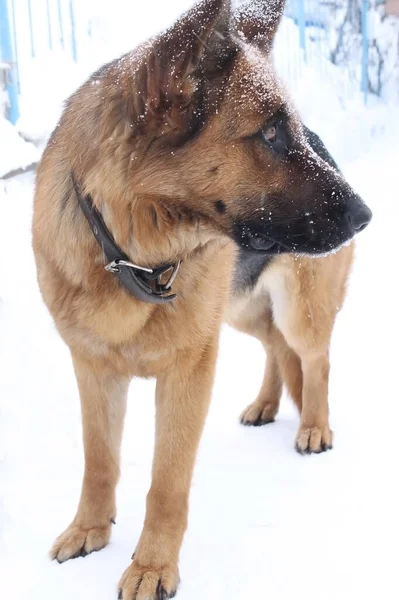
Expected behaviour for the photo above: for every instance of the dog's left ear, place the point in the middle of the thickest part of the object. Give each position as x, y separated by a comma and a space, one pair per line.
257, 21
194, 50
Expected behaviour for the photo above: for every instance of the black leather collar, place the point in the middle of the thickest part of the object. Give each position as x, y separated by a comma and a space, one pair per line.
143, 283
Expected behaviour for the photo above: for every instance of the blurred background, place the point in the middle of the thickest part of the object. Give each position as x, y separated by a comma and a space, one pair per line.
340, 59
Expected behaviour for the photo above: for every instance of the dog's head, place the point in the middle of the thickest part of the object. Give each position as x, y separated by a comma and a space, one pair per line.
220, 138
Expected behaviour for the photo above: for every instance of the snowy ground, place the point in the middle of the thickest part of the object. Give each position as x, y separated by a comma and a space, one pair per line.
264, 521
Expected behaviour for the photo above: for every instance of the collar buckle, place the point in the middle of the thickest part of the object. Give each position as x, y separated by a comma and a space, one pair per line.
115, 266
175, 269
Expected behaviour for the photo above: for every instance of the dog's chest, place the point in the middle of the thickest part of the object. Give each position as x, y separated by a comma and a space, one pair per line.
277, 284
273, 294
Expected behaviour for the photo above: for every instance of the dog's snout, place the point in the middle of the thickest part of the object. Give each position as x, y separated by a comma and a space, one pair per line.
359, 216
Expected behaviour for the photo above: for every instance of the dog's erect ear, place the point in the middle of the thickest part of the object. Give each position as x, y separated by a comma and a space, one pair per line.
200, 38
196, 48
257, 21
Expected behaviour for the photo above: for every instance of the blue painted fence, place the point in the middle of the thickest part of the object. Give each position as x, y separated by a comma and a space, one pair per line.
9, 58
33, 27
37, 26
318, 31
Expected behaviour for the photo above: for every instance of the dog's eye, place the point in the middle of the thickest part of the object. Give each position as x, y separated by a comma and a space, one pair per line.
274, 136
270, 133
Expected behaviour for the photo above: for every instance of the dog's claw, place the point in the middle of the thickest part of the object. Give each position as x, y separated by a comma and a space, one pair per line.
313, 440
261, 422
299, 449
164, 595
325, 447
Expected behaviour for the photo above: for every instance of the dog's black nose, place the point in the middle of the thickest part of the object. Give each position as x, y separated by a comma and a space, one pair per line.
359, 217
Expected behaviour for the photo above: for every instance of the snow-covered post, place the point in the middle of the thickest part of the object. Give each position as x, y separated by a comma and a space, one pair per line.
60, 24
302, 25
73, 33
365, 49
14, 33
32, 41
50, 35
7, 55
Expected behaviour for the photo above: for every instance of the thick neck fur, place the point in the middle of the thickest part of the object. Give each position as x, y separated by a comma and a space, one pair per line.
154, 231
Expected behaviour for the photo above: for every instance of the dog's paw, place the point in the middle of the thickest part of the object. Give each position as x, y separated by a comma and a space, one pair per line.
76, 541
313, 440
148, 583
259, 413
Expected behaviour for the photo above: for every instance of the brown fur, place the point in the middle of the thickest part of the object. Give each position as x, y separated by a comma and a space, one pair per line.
292, 311
164, 142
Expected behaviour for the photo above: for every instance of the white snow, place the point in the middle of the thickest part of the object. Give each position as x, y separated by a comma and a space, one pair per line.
15, 152
264, 521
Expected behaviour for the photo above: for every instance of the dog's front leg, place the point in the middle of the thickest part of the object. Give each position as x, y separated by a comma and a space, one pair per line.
103, 401
182, 400
314, 433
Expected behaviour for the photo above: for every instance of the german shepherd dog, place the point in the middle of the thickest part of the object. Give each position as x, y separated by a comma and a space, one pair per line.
180, 152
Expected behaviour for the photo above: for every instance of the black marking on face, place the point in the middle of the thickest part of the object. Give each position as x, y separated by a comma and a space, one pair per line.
317, 145
220, 207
